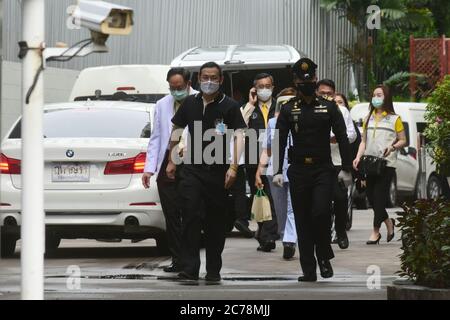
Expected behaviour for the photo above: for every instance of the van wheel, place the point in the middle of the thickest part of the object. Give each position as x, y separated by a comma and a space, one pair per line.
8, 245
392, 202
434, 188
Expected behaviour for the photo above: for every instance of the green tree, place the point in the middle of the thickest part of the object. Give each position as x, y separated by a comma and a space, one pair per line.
440, 10
395, 15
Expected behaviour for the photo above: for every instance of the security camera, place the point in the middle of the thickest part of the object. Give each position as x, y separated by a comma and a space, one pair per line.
103, 18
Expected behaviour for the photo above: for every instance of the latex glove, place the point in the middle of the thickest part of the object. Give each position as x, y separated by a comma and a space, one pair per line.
278, 180
346, 178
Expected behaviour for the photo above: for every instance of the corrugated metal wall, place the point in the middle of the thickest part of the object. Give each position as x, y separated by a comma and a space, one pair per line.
165, 28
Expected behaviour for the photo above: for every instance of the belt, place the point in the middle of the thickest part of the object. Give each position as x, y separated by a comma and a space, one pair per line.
310, 161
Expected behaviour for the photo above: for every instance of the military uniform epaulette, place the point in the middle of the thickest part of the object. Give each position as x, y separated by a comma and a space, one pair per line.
327, 98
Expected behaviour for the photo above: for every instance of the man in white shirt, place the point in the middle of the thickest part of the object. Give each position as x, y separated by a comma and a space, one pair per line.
157, 158
327, 89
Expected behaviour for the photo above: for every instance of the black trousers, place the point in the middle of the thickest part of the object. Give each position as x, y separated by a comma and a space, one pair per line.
268, 230
378, 195
340, 206
311, 193
203, 201
170, 203
240, 201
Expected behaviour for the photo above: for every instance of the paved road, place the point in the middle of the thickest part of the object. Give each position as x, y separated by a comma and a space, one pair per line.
134, 271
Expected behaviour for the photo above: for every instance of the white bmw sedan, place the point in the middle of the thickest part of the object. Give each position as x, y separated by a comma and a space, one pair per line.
94, 155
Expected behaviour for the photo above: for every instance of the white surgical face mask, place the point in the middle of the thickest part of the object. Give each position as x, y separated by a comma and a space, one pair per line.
264, 94
209, 87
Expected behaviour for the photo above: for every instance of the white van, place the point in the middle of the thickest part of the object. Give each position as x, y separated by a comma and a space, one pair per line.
140, 83
407, 173
241, 63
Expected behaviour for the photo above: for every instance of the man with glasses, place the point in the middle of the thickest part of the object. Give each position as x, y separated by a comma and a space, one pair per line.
157, 158
260, 108
212, 119
326, 89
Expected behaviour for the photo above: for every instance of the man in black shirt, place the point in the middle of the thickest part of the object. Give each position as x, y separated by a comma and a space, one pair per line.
210, 116
310, 118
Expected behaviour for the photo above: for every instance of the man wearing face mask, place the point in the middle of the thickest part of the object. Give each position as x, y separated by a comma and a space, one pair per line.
326, 88
213, 119
157, 157
311, 172
261, 108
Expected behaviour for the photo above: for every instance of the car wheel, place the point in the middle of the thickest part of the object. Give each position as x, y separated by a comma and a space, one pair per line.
162, 245
8, 245
392, 194
434, 188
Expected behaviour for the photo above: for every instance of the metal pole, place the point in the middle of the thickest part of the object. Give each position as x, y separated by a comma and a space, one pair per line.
33, 225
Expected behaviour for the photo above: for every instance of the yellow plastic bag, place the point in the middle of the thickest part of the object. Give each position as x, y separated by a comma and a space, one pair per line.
261, 207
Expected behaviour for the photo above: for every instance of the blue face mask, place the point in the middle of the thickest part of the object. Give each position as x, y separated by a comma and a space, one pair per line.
179, 95
377, 102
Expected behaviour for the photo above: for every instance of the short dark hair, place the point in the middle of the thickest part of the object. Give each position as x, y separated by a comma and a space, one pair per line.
211, 64
328, 83
179, 71
263, 75
343, 98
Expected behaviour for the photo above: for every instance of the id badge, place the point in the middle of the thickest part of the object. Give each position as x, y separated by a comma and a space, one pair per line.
221, 127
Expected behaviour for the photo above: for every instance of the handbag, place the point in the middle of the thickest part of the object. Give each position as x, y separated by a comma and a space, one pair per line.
261, 207
372, 166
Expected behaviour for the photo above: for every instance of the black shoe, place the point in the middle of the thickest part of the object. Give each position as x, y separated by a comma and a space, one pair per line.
343, 242
243, 228
267, 246
288, 250
326, 270
308, 278
186, 276
391, 236
213, 277
370, 242
172, 268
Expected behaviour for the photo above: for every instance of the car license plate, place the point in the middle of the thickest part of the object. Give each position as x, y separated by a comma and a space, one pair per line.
70, 172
